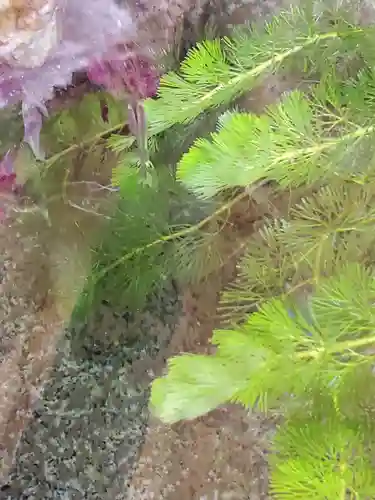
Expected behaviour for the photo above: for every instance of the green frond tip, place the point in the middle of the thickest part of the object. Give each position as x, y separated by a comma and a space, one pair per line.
301, 340
236, 155
194, 385
288, 144
321, 460
217, 71
247, 148
197, 255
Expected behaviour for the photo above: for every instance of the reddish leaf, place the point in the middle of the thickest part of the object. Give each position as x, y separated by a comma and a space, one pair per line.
125, 74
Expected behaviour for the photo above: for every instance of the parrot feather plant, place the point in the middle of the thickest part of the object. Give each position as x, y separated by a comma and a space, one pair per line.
302, 342
302, 333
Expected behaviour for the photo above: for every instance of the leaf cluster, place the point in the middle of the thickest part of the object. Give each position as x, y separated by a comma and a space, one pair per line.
128, 265
217, 71
305, 358
301, 340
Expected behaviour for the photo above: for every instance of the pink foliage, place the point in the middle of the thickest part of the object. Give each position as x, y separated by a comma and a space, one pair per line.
37, 58
49, 43
86, 30
125, 73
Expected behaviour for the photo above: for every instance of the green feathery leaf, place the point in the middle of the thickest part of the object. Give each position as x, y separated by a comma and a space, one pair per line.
217, 71
287, 144
321, 460
194, 386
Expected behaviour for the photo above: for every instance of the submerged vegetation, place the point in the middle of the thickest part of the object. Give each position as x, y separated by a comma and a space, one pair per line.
162, 174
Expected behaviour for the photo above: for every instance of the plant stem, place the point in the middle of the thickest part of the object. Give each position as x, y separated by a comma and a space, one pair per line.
204, 101
319, 148
178, 234
339, 347
54, 158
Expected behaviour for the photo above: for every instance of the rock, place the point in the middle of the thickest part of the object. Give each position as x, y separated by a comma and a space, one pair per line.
88, 427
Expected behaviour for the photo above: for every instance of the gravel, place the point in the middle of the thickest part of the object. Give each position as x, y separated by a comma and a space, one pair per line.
89, 424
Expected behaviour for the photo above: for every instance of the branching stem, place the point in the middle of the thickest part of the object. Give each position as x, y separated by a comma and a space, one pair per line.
178, 234
238, 82
294, 154
339, 347
203, 102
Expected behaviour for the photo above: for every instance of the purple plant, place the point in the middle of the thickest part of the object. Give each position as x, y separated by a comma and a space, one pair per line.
125, 74
86, 30
79, 32
131, 76
54, 39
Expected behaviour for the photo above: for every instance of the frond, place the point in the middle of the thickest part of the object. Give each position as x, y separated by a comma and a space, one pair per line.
128, 264
82, 124
125, 174
126, 143
291, 344
331, 227
120, 143
355, 398
217, 71
129, 170
319, 460
231, 158
266, 270
301, 309
345, 303
313, 353
194, 385
324, 231
178, 139
197, 255
248, 363
288, 144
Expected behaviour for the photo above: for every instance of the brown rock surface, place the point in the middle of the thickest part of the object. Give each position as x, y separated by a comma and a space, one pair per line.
43, 265
221, 455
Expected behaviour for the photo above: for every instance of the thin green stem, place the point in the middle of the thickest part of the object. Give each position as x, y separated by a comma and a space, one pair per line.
175, 236
56, 157
325, 145
204, 101
339, 347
